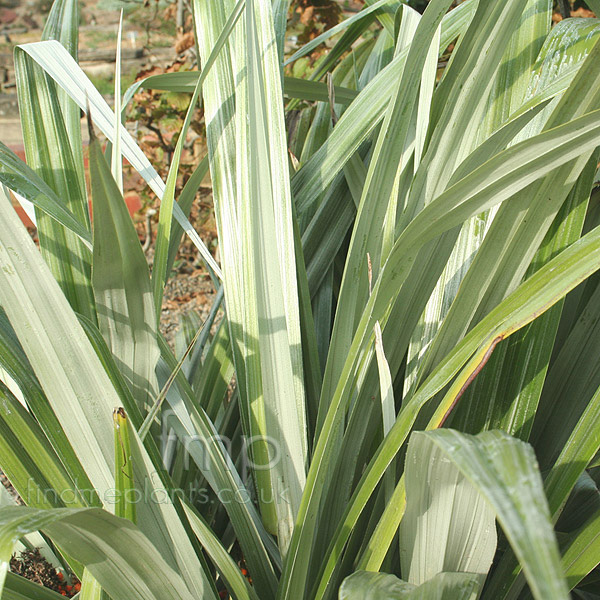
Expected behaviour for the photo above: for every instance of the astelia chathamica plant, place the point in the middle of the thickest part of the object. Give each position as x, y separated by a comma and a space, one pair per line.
401, 400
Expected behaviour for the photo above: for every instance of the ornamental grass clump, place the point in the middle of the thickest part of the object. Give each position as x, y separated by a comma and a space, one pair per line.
402, 398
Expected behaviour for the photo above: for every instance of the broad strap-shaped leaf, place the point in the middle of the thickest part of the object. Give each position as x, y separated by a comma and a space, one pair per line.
33, 467
583, 551
62, 25
67, 368
448, 526
50, 154
15, 363
165, 218
19, 177
573, 374
185, 201
53, 145
293, 87
266, 219
218, 95
19, 588
504, 471
225, 565
116, 159
577, 452
121, 283
119, 556
364, 585
254, 214
90, 588
124, 482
